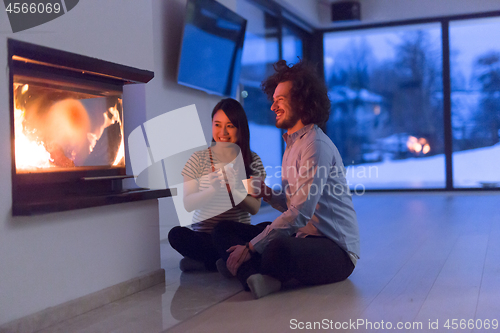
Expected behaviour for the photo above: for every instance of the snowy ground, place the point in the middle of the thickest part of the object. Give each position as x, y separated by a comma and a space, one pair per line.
471, 168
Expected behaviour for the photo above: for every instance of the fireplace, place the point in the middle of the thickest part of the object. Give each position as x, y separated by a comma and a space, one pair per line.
68, 145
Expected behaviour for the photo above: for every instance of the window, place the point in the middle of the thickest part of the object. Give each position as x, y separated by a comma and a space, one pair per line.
385, 85
292, 45
475, 102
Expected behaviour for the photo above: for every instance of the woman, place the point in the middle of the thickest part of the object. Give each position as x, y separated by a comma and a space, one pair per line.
205, 188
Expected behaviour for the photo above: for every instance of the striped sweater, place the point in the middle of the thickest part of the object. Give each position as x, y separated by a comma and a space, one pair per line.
197, 168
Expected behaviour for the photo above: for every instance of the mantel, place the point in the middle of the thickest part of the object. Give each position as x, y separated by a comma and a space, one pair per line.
86, 201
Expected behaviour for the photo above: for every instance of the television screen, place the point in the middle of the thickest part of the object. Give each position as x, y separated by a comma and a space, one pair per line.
212, 44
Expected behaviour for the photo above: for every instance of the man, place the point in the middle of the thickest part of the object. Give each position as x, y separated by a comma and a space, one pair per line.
316, 238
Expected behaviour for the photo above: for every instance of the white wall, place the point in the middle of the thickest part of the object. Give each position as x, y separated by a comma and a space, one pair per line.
46, 260
50, 259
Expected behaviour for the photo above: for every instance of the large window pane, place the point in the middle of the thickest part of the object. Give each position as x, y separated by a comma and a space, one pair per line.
387, 115
292, 45
260, 51
475, 85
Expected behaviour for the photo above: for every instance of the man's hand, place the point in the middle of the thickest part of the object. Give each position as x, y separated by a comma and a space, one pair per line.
260, 189
239, 254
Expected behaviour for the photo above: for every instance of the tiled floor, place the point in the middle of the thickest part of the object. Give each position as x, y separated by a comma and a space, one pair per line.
426, 258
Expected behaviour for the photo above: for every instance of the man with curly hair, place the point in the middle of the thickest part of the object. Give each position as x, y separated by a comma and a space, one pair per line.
316, 238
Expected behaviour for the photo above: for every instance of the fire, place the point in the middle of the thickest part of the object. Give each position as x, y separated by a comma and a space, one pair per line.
66, 130
65, 127
121, 151
29, 154
120, 155
418, 145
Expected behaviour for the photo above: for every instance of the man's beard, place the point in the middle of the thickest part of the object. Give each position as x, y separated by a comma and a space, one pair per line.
289, 121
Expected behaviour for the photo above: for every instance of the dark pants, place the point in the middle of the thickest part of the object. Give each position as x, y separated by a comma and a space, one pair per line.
312, 260
194, 245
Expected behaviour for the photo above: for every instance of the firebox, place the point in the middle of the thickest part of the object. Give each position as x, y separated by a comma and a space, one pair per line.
68, 145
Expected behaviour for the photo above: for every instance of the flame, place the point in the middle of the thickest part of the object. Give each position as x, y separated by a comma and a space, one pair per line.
29, 154
64, 122
418, 145
120, 155
66, 126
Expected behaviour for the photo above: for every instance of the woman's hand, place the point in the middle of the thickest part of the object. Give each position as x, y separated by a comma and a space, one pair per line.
232, 177
235, 178
236, 185
239, 254
216, 180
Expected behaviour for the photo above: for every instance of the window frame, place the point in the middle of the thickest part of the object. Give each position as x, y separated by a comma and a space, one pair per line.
446, 77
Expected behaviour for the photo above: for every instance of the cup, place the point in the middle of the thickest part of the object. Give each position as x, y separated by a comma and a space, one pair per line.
247, 183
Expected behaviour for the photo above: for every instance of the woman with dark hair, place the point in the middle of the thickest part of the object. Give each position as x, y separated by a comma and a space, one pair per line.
207, 175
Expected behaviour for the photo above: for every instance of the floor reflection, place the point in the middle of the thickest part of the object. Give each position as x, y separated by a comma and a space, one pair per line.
198, 291
187, 294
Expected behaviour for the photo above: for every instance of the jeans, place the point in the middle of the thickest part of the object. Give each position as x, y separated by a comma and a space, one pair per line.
312, 260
